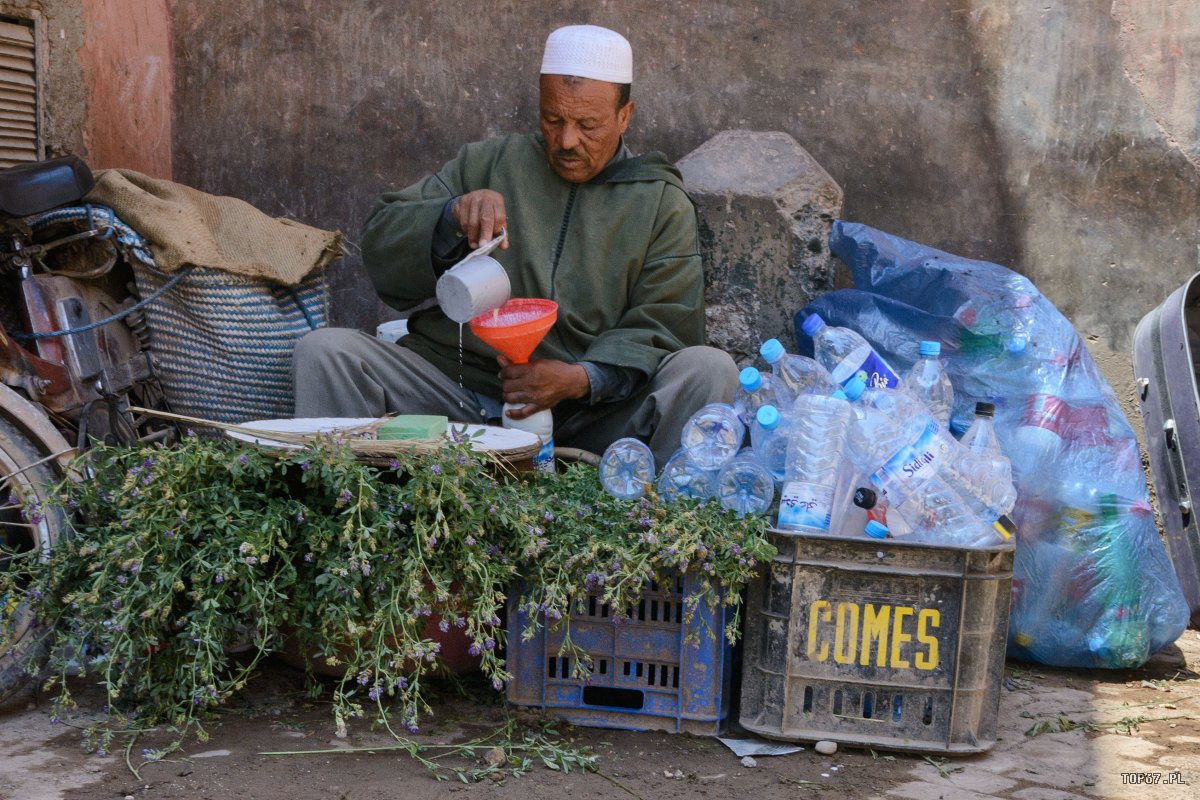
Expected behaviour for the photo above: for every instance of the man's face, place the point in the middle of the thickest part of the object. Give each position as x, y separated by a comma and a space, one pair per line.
581, 124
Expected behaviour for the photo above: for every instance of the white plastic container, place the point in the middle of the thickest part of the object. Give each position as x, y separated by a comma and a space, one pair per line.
540, 425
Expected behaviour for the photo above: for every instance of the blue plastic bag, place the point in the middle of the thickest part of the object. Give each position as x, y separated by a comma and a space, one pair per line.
1092, 585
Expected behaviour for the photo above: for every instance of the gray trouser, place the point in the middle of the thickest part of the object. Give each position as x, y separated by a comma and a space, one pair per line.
338, 372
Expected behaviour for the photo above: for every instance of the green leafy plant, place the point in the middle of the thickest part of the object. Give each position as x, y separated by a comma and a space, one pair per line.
189, 564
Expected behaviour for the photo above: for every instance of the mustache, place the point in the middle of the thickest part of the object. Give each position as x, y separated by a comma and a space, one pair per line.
560, 153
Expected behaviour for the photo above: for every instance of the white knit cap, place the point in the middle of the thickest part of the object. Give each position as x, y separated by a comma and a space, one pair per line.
588, 51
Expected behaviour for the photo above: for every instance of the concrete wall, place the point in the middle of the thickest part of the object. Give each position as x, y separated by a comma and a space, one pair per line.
1058, 138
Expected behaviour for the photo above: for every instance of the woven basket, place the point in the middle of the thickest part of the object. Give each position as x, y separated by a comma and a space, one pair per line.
224, 342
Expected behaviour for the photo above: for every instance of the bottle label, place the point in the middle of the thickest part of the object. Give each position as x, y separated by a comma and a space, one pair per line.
543, 461
879, 374
805, 505
915, 463
1085, 426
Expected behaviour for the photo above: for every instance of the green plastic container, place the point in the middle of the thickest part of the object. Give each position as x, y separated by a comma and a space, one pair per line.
414, 426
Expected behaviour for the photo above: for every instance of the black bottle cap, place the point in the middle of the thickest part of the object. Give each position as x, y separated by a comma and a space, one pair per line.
985, 409
865, 498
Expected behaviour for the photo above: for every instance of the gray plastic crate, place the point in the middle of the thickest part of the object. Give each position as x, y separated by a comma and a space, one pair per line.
886, 645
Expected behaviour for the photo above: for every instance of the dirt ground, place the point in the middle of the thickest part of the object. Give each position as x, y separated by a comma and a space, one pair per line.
1097, 728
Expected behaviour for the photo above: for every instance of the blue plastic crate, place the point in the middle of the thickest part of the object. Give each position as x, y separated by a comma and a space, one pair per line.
644, 675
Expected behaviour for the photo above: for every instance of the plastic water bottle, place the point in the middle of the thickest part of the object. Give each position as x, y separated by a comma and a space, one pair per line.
876, 530
541, 425
744, 485
909, 441
627, 468
754, 391
928, 381
981, 439
713, 435
876, 505
769, 440
682, 478
794, 374
845, 353
816, 464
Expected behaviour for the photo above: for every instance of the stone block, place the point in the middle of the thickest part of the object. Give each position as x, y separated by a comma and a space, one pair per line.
765, 208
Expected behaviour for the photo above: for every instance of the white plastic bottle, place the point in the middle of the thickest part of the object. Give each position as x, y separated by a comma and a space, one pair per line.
713, 435
816, 464
845, 353
744, 485
627, 468
794, 374
541, 425
769, 440
928, 381
982, 440
754, 391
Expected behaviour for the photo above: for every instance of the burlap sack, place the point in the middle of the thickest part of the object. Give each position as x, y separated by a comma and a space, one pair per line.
188, 226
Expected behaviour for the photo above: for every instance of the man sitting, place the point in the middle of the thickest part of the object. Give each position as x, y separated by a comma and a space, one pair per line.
610, 236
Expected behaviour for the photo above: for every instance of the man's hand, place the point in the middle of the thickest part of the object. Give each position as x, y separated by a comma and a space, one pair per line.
481, 217
540, 384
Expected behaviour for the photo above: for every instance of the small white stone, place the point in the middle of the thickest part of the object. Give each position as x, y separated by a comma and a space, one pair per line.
748, 762
826, 747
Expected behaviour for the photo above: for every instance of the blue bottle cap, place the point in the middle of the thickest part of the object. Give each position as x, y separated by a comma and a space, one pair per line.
855, 387
812, 323
771, 350
839, 395
750, 379
1017, 344
768, 416
929, 349
876, 529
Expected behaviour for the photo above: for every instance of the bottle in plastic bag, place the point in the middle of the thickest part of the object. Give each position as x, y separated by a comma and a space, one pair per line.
981, 439
713, 435
794, 374
845, 353
769, 440
754, 391
627, 468
816, 463
682, 478
744, 485
928, 381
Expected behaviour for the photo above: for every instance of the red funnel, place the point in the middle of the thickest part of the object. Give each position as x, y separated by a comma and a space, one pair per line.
517, 327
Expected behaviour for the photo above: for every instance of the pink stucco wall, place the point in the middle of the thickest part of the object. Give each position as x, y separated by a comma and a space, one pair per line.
128, 72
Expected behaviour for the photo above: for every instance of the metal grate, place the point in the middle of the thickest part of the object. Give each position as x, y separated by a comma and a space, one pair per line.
18, 95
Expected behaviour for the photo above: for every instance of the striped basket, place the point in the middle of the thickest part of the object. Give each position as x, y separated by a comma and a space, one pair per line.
224, 342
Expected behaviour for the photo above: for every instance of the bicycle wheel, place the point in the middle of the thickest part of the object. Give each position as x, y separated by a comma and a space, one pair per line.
24, 482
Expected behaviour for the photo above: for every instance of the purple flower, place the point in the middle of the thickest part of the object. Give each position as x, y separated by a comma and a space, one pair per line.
412, 727
363, 678
168, 533
394, 464
375, 692
474, 650
489, 643
219, 578
304, 466
400, 683
469, 541
243, 459
345, 496
443, 625
435, 469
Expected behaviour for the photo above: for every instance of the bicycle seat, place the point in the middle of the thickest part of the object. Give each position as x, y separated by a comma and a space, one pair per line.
32, 188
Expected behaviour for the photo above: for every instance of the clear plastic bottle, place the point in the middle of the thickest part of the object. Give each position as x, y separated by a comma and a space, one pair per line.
981, 439
627, 468
713, 435
744, 485
845, 353
928, 381
905, 433
816, 463
754, 391
876, 530
541, 425
769, 440
876, 505
794, 374
682, 478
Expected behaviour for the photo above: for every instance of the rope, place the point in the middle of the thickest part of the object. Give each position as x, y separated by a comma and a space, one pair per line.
157, 293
